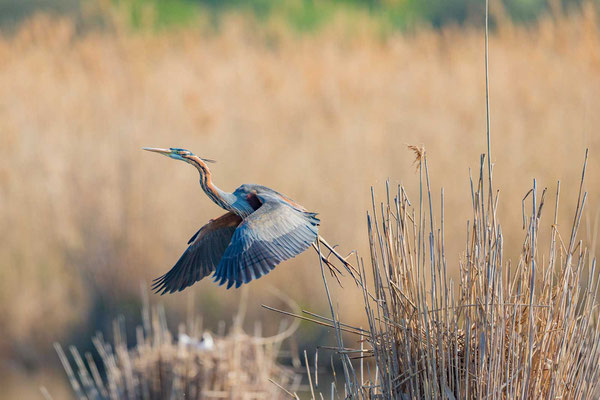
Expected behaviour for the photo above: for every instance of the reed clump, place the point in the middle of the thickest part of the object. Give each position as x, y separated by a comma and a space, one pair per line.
194, 365
523, 329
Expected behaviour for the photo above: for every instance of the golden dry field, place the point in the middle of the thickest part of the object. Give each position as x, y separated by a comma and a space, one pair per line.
87, 217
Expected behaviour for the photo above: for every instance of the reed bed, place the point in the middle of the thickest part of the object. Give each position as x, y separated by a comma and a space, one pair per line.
527, 329
86, 214
194, 365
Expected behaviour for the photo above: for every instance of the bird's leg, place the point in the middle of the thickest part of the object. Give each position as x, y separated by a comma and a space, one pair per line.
333, 269
349, 267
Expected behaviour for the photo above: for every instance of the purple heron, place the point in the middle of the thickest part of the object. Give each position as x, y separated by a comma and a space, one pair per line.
260, 229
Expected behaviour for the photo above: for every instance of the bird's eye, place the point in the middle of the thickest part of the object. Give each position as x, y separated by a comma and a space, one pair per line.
181, 152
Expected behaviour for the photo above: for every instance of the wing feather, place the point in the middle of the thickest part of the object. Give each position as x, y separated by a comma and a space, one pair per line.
205, 250
275, 232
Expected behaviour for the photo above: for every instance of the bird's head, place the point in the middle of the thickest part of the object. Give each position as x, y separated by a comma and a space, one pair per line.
177, 154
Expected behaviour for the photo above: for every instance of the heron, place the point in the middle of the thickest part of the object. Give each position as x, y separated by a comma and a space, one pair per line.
260, 229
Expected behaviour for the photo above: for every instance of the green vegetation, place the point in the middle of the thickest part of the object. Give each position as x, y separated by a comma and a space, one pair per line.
302, 15
308, 15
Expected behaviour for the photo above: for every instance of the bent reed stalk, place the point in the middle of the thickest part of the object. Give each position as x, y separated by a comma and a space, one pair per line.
523, 331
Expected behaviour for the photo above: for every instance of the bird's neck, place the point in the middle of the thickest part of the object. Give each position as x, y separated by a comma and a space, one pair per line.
222, 198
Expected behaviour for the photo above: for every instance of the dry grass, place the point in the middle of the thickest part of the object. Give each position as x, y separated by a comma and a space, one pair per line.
528, 329
85, 214
196, 365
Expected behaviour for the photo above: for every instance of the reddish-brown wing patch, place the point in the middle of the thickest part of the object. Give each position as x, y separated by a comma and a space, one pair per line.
226, 220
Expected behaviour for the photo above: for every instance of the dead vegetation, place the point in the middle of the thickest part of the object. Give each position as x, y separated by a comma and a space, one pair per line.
81, 218
196, 364
525, 329
507, 330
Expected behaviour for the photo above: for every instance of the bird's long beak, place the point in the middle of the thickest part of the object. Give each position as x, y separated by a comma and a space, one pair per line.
165, 152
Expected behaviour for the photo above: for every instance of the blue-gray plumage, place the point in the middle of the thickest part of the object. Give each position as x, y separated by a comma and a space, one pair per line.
261, 229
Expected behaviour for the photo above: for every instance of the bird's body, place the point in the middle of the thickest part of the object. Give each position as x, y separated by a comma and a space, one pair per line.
260, 229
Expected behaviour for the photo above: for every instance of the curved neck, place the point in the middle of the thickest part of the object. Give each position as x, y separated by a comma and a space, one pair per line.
223, 199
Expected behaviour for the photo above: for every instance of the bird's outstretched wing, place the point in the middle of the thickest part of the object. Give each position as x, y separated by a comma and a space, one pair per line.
275, 232
201, 257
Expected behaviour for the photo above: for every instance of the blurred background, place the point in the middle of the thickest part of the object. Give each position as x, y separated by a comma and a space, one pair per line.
317, 99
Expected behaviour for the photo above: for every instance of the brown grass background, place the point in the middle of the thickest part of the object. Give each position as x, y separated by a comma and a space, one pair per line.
85, 215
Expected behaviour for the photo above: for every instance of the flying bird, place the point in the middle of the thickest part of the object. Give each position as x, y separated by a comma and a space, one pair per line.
260, 229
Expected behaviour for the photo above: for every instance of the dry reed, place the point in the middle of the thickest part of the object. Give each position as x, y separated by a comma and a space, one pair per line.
528, 330
80, 203
524, 331
84, 217
196, 365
